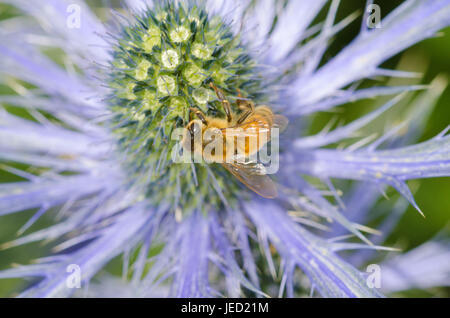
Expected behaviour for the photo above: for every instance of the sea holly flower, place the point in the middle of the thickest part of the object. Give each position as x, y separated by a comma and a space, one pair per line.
94, 150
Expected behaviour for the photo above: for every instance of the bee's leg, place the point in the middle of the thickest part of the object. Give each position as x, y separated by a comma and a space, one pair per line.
248, 109
224, 101
242, 103
200, 115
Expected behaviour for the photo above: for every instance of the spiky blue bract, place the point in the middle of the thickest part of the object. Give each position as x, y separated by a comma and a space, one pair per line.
91, 143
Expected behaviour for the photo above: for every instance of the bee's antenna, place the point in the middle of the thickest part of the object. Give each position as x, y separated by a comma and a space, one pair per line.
199, 114
224, 101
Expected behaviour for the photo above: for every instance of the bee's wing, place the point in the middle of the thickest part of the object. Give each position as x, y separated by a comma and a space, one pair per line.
249, 175
281, 122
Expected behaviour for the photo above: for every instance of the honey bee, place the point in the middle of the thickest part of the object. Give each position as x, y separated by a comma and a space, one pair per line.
253, 125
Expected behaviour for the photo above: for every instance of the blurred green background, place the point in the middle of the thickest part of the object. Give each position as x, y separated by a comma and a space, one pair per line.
433, 195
